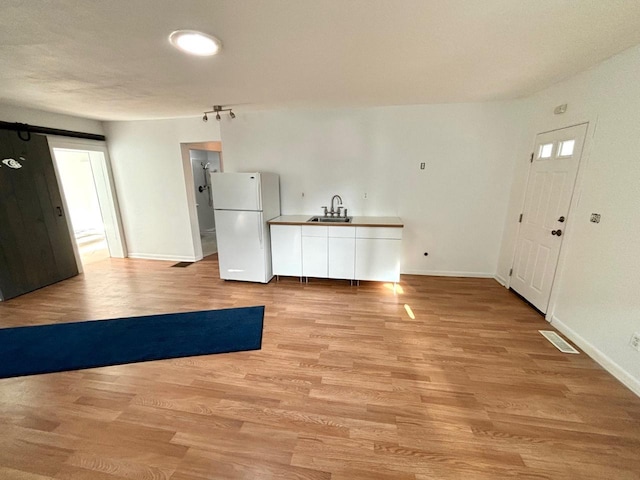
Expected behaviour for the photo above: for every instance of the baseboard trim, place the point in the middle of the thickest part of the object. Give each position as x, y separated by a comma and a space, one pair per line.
167, 258
440, 273
605, 362
501, 280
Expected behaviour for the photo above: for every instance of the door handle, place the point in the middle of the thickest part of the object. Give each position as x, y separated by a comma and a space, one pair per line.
556, 232
59, 210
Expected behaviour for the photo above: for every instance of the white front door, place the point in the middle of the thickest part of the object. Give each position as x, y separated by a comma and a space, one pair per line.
546, 212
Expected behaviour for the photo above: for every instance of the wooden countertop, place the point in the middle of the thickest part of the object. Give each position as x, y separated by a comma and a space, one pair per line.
355, 221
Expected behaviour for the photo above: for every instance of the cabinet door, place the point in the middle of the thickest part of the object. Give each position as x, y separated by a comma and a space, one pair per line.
342, 258
314, 257
378, 259
286, 250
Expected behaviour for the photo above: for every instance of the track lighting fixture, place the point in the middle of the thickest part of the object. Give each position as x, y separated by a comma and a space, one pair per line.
217, 109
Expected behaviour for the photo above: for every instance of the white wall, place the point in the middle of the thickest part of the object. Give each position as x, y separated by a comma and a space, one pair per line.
148, 171
454, 209
596, 299
40, 118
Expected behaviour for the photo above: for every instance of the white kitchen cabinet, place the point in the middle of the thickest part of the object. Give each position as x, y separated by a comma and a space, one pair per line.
286, 250
314, 251
314, 257
342, 257
342, 252
378, 251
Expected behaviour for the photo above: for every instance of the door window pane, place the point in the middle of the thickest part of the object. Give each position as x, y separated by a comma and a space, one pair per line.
545, 150
566, 148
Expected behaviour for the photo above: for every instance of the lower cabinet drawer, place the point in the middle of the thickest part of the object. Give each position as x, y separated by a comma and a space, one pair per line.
314, 230
379, 232
342, 232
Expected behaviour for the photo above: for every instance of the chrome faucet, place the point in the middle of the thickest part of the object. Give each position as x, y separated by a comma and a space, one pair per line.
339, 205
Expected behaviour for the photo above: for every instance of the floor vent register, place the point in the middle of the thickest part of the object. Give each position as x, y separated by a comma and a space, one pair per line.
558, 342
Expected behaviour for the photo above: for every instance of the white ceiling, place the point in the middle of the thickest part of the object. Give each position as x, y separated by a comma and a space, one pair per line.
111, 60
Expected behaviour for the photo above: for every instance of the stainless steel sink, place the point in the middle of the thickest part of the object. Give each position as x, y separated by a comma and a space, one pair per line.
319, 219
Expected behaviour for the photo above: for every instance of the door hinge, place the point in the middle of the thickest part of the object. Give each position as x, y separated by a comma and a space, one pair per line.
511, 272
520, 219
531, 158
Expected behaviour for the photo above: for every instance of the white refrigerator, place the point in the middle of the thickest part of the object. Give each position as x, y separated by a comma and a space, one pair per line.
243, 203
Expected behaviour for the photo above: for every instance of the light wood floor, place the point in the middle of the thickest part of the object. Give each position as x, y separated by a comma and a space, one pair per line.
346, 387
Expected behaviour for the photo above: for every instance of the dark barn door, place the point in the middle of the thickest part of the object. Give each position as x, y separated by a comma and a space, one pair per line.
35, 245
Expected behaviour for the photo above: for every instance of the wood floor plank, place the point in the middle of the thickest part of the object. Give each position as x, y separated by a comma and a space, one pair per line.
345, 387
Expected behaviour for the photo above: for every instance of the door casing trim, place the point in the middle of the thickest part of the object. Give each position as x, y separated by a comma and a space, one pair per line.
575, 199
91, 146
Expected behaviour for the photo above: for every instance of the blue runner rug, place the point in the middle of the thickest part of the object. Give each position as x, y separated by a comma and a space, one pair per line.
73, 346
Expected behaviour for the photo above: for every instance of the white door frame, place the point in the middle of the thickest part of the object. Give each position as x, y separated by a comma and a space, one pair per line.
189, 183
575, 199
105, 175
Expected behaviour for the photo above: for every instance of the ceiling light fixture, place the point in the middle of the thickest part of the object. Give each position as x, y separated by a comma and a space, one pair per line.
217, 109
195, 43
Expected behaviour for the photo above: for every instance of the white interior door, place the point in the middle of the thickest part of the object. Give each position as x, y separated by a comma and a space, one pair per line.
107, 202
546, 212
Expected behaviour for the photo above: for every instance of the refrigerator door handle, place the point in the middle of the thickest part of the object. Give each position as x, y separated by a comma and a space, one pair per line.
259, 191
260, 228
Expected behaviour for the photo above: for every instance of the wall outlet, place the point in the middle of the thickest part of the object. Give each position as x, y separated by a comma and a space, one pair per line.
635, 341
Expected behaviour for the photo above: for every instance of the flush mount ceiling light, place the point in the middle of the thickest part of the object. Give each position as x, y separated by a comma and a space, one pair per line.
195, 43
217, 109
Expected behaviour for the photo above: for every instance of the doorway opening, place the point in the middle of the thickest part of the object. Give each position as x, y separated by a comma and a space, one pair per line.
199, 161
203, 164
76, 176
86, 184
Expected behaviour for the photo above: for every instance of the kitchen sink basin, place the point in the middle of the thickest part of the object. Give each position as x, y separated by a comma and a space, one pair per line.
329, 220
